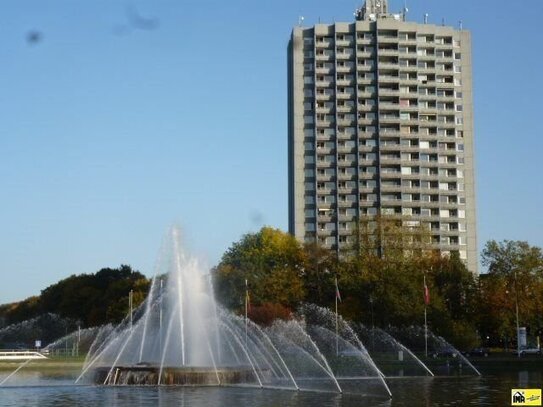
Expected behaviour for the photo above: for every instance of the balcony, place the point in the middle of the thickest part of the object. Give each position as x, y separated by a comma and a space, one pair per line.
347, 42
388, 118
364, 54
346, 149
365, 40
324, 43
389, 91
388, 52
386, 146
325, 56
346, 55
345, 95
324, 70
389, 78
366, 67
389, 39
325, 84
390, 159
324, 96
325, 110
345, 82
345, 109
325, 123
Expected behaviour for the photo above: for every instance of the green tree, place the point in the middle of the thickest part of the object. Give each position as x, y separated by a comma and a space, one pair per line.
515, 277
97, 298
381, 273
320, 266
454, 300
272, 263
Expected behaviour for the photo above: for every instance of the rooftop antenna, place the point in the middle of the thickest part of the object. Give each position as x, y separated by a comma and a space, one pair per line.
426, 18
358, 14
405, 10
460, 25
300, 21
442, 21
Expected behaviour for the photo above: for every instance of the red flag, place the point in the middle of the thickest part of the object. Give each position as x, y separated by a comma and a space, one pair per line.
338, 295
426, 293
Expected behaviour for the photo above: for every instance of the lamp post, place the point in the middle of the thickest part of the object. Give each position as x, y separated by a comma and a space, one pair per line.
372, 324
516, 310
371, 309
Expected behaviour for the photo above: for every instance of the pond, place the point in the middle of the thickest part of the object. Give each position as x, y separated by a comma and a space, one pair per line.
55, 388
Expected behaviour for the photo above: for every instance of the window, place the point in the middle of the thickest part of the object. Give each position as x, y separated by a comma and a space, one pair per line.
310, 227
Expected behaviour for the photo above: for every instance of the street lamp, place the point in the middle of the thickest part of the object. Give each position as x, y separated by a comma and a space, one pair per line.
372, 324
516, 310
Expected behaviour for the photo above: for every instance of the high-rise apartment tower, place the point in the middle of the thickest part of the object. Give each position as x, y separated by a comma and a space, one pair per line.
381, 122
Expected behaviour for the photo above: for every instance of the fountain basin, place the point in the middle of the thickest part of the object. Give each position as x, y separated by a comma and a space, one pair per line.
145, 375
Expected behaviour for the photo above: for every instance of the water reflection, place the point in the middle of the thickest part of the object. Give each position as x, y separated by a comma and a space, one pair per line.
52, 389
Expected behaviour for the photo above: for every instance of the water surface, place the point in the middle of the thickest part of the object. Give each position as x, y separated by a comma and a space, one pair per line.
56, 389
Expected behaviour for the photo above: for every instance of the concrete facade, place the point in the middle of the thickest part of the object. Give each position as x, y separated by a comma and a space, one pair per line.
381, 122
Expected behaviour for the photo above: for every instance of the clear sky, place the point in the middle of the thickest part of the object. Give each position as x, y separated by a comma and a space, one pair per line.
109, 132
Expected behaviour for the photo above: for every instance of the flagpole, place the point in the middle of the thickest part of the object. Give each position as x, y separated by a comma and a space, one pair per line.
425, 318
130, 294
246, 306
160, 317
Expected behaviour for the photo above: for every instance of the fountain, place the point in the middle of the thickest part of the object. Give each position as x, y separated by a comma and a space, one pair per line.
46, 327
181, 336
443, 358
392, 357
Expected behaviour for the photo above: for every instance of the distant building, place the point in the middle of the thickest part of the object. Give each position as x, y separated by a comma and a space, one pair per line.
381, 122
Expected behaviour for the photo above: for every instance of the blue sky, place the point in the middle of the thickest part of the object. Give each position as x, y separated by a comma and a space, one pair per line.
109, 135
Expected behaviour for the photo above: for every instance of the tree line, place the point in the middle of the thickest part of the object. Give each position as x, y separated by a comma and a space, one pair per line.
381, 279
86, 299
